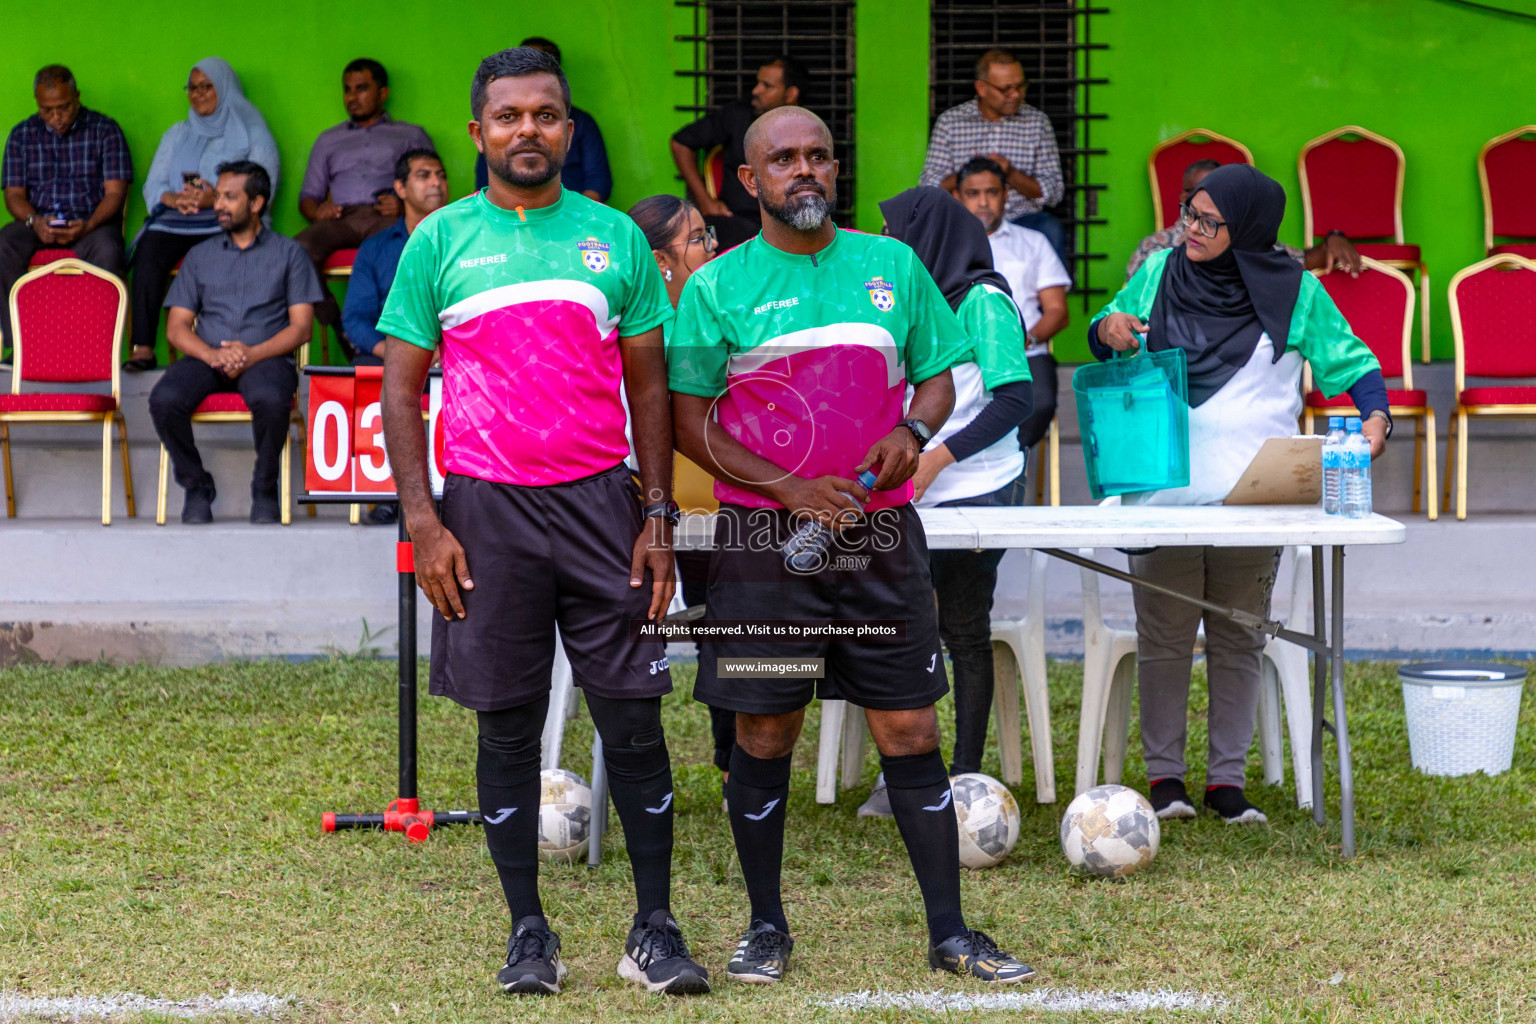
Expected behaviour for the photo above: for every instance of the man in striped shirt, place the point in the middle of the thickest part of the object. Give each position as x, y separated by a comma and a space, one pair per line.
999, 125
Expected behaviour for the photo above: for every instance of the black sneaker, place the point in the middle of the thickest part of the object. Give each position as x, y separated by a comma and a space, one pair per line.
975, 955
197, 506
1171, 800
762, 955
533, 960
1233, 806
656, 958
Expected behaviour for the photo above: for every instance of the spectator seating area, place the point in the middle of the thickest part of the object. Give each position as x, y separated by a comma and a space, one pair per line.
71, 316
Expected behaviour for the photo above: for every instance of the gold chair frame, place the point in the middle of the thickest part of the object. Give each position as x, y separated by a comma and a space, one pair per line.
1193, 133
71, 265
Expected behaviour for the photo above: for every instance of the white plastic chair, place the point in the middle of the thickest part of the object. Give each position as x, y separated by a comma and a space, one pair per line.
1109, 672
1288, 676
1018, 658
1109, 669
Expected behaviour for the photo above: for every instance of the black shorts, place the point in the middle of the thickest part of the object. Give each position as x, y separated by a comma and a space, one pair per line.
748, 580
541, 557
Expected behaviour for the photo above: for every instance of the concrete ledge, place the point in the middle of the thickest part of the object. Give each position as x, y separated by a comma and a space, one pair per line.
71, 591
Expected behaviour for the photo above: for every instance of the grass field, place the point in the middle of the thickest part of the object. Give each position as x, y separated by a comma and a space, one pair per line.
159, 834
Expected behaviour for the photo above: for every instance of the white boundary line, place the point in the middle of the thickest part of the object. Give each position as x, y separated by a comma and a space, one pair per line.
15, 1007
1057, 1000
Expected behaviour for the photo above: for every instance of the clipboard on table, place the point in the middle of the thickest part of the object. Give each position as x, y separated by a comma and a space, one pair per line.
1286, 471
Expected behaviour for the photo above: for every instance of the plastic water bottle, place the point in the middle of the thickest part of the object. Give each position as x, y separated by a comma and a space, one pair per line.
806, 549
1357, 471
1333, 467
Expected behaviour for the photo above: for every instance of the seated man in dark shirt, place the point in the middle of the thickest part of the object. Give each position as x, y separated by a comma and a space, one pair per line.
586, 163
241, 304
66, 173
734, 213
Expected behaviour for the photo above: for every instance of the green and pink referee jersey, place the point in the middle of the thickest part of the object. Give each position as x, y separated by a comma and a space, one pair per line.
528, 308
810, 356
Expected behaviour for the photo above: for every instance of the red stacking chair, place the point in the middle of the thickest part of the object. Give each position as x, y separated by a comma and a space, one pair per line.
1352, 181
338, 267
69, 318
1169, 158
1506, 169
1379, 307
229, 407
1493, 317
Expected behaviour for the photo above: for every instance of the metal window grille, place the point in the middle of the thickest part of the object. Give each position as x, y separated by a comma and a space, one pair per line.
733, 38
1053, 40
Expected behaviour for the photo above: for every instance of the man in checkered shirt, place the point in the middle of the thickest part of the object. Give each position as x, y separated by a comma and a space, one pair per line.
66, 172
999, 125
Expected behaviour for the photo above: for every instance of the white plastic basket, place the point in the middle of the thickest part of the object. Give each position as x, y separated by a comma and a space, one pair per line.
1462, 716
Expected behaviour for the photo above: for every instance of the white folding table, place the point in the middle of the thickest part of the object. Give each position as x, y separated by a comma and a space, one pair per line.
1056, 530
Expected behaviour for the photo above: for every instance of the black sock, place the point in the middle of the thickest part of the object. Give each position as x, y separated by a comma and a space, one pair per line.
921, 803
755, 795
507, 784
640, 781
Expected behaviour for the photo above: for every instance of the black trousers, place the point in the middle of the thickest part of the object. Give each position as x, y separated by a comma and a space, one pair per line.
18, 243
154, 257
964, 581
268, 388
1042, 371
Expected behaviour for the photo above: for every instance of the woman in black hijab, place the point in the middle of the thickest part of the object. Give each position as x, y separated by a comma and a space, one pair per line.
974, 459
1246, 317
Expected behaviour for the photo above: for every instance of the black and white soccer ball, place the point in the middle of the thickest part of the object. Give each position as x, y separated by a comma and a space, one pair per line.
1110, 831
565, 816
988, 817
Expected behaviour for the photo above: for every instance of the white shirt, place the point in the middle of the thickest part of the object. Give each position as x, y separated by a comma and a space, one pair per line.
1026, 260
1259, 401
995, 466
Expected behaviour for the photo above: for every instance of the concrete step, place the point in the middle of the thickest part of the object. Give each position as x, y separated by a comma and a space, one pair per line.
72, 590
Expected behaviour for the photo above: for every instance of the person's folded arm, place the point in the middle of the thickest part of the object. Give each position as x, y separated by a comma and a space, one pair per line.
180, 333
301, 322
1011, 405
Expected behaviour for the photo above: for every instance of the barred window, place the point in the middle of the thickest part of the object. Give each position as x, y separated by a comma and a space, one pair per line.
1053, 40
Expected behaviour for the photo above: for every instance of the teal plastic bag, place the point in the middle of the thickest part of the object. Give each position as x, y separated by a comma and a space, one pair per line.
1133, 413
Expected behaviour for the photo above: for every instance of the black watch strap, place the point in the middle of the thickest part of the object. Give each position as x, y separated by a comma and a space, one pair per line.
920, 431
667, 510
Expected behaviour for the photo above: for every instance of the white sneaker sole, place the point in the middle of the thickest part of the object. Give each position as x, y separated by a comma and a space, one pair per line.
630, 971
1252, 816
1177, 809
754, 979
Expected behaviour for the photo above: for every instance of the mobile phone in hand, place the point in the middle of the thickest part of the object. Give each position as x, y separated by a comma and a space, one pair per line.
192, 179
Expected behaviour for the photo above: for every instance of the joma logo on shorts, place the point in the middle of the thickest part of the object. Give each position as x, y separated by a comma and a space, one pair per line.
658, 666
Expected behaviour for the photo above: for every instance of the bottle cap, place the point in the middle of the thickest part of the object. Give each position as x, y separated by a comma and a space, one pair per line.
1352, 424
867, 478
1335, 422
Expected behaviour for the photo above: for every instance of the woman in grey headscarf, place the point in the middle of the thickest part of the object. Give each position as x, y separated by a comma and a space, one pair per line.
221, 126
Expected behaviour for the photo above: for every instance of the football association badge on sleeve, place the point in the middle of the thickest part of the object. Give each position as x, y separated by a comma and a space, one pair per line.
594, 254
881, 295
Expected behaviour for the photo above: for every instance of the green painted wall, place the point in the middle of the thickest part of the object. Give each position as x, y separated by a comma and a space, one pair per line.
1438, 79
619, 55
891, 130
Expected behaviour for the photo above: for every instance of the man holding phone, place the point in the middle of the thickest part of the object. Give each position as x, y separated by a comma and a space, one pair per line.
349, 185
66, 174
